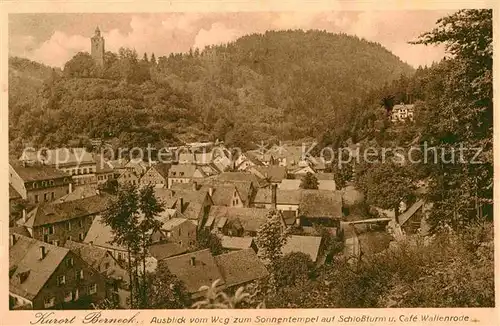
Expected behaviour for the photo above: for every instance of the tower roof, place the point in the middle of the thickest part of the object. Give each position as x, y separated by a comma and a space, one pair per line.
97, 31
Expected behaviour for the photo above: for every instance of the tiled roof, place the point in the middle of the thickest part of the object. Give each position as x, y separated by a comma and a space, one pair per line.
244, 187
13, 194
92, 255
240, 176
321, 203
162, 169
61, 156
240, 267
47, 213
274, 172
327, 185
290, 184
306, 244
204, 271
294, 184
250, 218
101, 234
24, 258
324, 176
292, 197
399, 107
223, 194
21, 230
183, 171
222, 191
38, 172
166, 250
236, 242
192, 200
173, 223
79, 192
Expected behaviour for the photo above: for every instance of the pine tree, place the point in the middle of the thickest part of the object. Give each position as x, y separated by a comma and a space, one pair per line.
309, 181
150, 208
122, 216
145, 58
153, 59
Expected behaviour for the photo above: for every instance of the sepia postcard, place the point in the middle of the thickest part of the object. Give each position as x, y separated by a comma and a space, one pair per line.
250, 163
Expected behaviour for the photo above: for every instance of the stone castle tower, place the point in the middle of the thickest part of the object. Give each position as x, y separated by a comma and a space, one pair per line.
97, 47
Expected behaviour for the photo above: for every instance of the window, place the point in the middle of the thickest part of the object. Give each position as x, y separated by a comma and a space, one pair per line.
80, 223
44, 183
68, 296
49, 302
106, 266
80, 236
61, 279
36, 199
68, 225
179, 232
52, 195
93, 289
79, 274
51, 182
51, 229
46, 197
35, 185
119, 255
69, 262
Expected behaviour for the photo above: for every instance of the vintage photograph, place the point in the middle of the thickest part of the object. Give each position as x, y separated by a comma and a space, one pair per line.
251, 160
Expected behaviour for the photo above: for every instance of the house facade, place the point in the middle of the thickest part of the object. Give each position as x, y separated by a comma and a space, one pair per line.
128, 177
43, 276
181, 231
76, 162
157, 175
184, 173
117, 278
57, 222
402, 112
37, 183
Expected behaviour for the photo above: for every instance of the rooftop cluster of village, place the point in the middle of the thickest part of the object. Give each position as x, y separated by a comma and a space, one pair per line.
62, 254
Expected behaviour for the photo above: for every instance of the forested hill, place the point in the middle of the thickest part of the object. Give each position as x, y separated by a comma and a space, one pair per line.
283, 85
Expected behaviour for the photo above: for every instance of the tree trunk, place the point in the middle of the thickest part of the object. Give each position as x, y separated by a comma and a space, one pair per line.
144, 279
130, 286
137, 285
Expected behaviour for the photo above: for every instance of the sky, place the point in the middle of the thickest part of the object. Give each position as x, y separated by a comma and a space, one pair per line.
53, 39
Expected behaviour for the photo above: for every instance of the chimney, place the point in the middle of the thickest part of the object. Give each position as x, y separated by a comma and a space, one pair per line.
211, 191
42, 252
192, 261
12, 239
273, 196
181, 203
195, 186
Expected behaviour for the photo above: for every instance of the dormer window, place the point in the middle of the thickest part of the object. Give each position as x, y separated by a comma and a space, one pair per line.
35, 185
